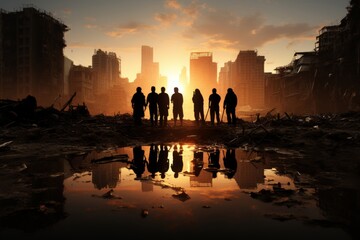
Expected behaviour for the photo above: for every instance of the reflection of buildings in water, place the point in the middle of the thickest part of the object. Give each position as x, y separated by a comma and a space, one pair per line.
200, 178
147, 186
106, 175
203, 180
248, 174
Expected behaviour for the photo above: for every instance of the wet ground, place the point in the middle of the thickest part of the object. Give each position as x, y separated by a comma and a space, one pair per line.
96, 177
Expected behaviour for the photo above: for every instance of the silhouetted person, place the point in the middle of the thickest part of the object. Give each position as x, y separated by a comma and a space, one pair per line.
138, 105
230, 103
198, 101
214, 101
177, 165
153, 160
214, 159
139, 163
177, 101
163, 102
163, 163
230, 163
198, 162
152, 101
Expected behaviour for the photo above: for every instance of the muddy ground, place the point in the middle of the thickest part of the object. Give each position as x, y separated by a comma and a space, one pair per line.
325, 147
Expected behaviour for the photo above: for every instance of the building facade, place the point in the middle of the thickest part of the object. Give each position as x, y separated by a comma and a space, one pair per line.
150, 73
249, 82
31, 55
203, 72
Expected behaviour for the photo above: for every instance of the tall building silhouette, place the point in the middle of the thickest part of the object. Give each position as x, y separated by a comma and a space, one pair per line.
225, 77
249, 79
149, 75
203, 72
107, 175
31, 55
106, 70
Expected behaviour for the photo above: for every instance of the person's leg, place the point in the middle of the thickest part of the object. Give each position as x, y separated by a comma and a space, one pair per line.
212, 116
175, 117
202, 116
218, 116
151, 117
181, 116
161, 119
156, 116
228, 115
234, 117
196, 115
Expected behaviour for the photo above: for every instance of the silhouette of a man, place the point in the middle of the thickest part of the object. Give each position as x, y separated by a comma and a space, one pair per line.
163, 102
152, 101
138, 105
214, 101
177, 100
230, 103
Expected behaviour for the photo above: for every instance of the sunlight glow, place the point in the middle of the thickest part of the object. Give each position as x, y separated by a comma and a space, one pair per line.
173, 81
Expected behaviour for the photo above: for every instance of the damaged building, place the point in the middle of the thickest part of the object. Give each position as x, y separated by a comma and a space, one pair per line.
30, 40
326, 79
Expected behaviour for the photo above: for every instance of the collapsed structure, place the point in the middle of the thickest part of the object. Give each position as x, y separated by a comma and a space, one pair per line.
326, 79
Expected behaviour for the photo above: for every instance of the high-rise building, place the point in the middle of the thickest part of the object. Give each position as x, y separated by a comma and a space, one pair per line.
147, 60
249, 82
149, 75
106, 68
203, 72
31, 55
225, 77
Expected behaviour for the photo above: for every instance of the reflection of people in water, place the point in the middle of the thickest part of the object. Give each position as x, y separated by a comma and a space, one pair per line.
177, 164
198, 162
214, 158
153, 158
139, 162
230, 163
163, 163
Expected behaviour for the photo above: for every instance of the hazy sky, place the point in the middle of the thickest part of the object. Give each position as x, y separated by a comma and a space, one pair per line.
174, 28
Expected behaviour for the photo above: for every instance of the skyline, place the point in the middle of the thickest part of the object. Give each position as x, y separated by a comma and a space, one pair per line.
276, 29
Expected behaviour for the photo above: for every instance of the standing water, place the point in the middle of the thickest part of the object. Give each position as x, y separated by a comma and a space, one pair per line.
172, 191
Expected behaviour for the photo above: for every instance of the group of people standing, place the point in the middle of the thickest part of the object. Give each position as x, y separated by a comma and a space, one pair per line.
159, 104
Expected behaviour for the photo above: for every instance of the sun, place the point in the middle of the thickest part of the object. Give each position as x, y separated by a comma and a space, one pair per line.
174, 81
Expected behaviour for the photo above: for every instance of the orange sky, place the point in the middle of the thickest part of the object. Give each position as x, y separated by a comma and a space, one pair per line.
174, 28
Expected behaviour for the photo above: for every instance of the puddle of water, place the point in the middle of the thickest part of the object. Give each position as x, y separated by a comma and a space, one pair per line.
171, 190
